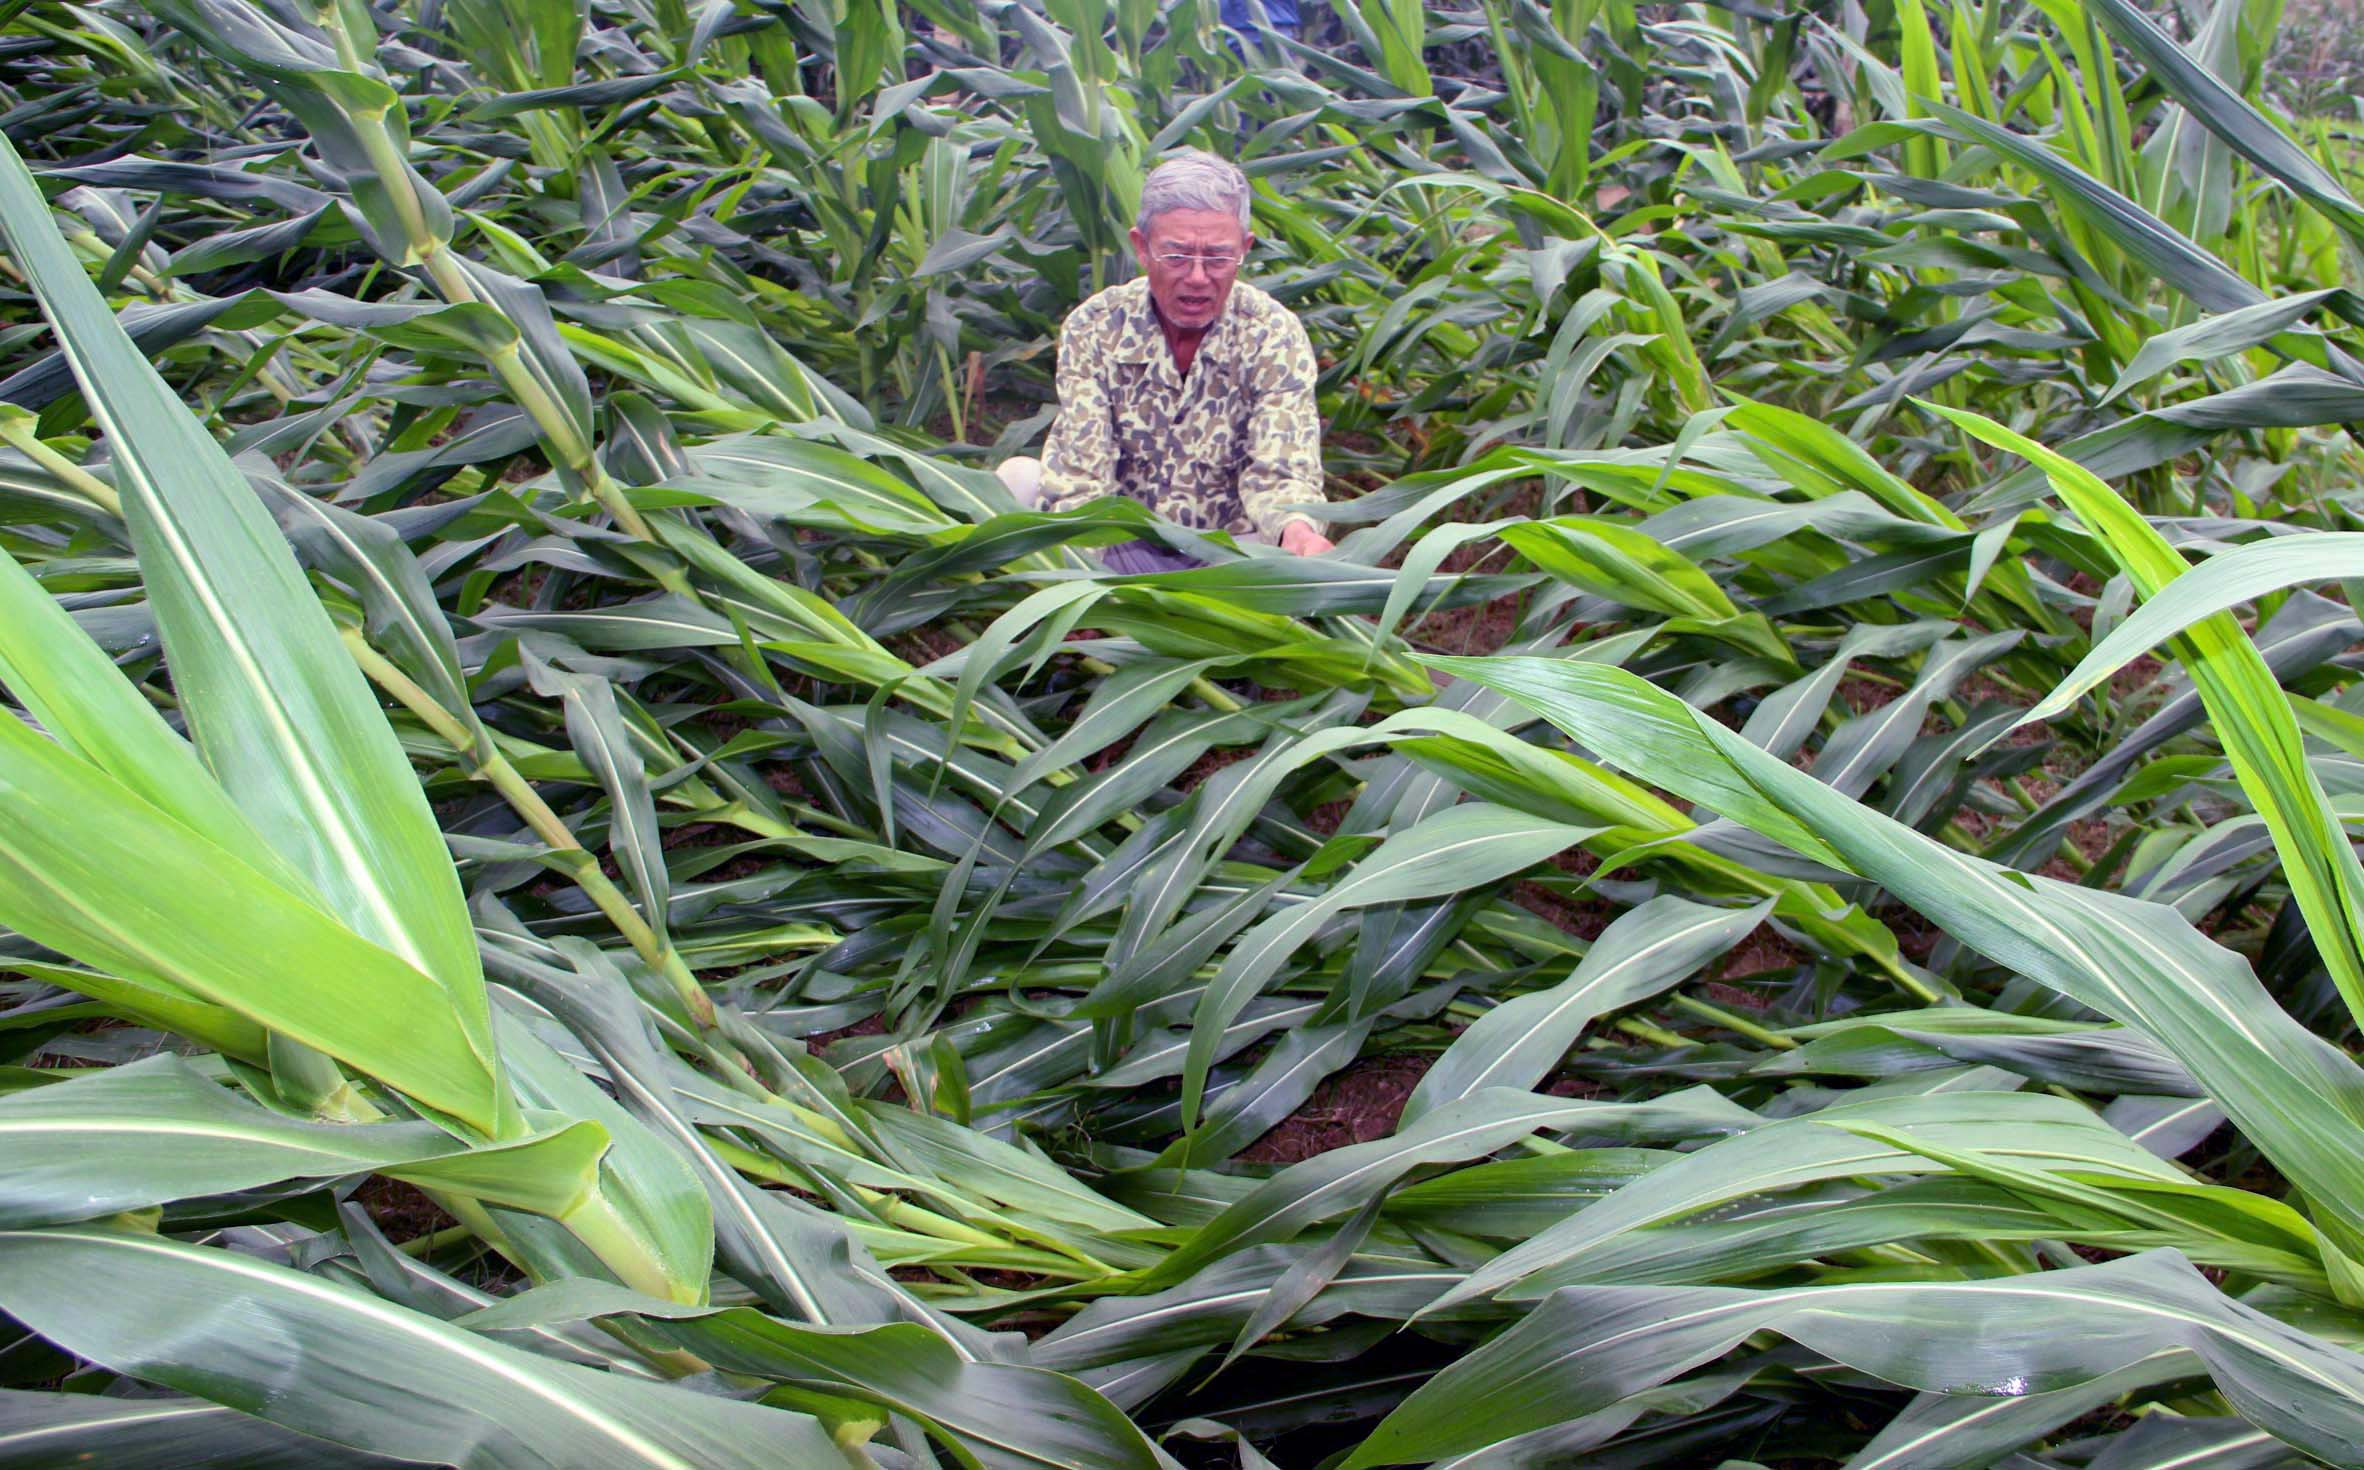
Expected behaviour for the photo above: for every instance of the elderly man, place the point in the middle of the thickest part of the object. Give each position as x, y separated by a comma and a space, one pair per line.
1186, 389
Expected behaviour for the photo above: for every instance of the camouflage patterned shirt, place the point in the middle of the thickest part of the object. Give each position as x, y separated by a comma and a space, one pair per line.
1231, 447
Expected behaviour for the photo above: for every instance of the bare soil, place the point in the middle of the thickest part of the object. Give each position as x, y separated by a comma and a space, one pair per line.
1358, 1104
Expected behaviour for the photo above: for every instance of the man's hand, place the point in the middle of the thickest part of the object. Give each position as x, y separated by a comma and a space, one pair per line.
1300, 538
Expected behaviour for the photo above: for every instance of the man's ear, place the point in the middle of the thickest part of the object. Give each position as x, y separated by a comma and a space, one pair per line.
1140, 246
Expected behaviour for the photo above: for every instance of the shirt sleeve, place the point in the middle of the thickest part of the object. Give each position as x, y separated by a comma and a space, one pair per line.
1284, 468
1079, 458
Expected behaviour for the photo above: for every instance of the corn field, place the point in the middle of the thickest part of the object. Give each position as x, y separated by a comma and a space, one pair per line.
580, 887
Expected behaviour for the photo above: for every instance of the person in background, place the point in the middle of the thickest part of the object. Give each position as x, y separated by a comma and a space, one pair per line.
1282, 14
1185, 389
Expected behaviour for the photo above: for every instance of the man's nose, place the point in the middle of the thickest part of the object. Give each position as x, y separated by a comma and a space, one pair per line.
1198, 266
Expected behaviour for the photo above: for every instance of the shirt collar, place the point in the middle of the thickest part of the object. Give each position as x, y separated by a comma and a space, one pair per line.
1148, 338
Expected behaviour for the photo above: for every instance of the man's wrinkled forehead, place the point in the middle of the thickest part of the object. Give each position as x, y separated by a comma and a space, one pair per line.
1195, 229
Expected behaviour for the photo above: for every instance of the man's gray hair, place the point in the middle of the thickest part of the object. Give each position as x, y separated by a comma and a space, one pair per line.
1194, 179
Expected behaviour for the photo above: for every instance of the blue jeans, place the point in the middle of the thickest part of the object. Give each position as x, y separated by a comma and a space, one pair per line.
1137, 558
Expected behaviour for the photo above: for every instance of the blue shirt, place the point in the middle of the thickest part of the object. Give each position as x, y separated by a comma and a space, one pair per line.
1282, 12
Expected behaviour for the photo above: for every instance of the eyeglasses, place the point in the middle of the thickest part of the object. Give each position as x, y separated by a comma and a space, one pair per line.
1219, 263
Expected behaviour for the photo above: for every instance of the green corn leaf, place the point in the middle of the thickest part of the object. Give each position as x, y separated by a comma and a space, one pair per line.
1460, 848
2230, 1228
1647, 949
1614, 560
2040, 1132
154, 1132
282, 717
2197, 1442
68, 683
1937, 1431
654, 1192
799, 1259
1001, 1416
358, 122
399, 609
2156, 245
2224, 581
2219, 336
168, 1432
595, 727
2139, 963
807, 484
1588, 1347
1208, 1310
1338, 1182
1824, 462
1758, 1237
2246, 707
435, 1392
152, 1002
93, 871
2230, 116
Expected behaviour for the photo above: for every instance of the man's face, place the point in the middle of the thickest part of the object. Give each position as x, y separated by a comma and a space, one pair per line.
1192, 258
